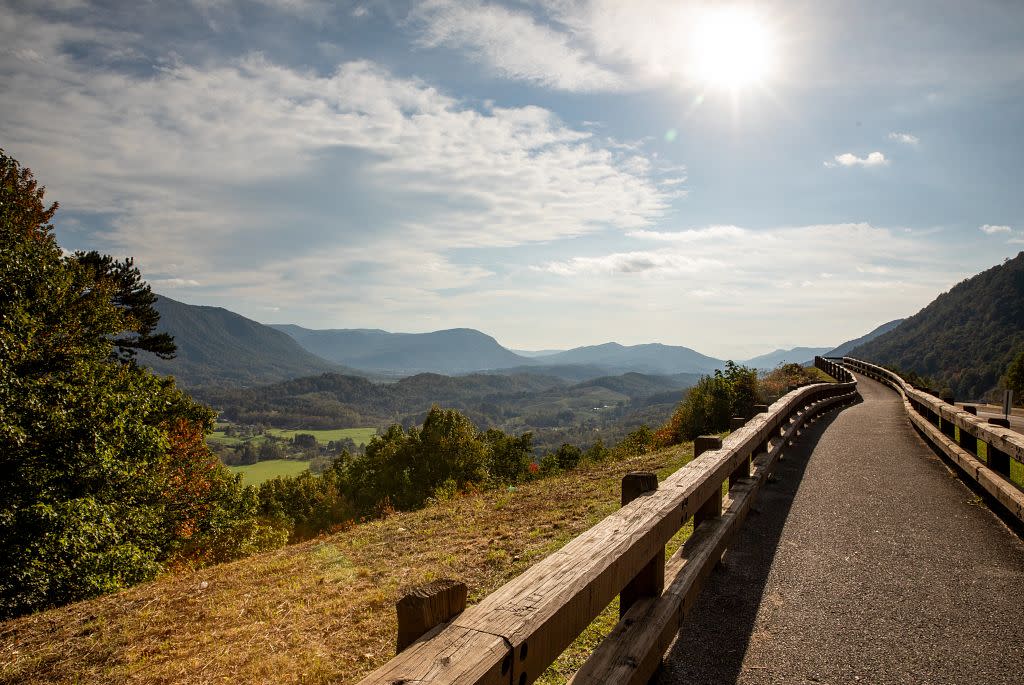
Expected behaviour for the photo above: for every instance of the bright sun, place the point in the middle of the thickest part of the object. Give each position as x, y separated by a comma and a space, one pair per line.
732, 49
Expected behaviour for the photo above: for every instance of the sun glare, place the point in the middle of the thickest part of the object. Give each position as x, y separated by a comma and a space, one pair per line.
733, 48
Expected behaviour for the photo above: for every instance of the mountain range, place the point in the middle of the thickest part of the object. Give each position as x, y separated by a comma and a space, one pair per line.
851, 345
458, 350
965, 338
796, 355
217, 346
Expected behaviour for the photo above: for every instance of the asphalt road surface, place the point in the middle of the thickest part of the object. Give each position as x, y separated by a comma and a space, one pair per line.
867, 561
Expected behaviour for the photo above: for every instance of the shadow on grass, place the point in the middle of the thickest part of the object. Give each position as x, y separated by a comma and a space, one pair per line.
714, 636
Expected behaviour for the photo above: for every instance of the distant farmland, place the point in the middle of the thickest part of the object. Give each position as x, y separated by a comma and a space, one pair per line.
254, 474
358, 435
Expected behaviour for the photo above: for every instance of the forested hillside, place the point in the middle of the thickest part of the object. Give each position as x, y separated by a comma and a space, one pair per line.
851, 345
218, 346
966, 338
653, 358
555, 410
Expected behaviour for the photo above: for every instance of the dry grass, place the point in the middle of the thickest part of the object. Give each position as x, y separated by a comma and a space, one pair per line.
321, 611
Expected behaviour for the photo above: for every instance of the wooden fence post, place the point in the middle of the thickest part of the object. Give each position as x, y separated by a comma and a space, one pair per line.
742, 470
427, 606
650, 581
713, 506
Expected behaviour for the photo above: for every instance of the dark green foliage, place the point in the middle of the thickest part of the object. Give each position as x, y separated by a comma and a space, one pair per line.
217, 346
304, 440
640, 441
404, 468
1014, 378
554, 411
508, 457
133, 296
743, 387
596, 452
307, 505
966, 338
106, 475
568, 456
710, 405
271, 449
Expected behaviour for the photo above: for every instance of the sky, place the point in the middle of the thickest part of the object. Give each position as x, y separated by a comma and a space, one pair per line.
732, 177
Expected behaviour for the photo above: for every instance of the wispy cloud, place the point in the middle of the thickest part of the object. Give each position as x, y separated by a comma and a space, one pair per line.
511, 43
991, 229
905, 138
191, 163
161, 283
848, 159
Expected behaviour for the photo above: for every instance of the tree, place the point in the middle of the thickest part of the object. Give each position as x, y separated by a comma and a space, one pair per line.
509, 457
1014, 378
568, 456
135, 299
107, 478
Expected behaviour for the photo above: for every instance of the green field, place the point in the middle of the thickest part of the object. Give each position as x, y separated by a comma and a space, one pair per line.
254, 474
360, 436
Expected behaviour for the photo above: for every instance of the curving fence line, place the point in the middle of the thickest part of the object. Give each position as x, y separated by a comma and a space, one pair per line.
991, 455
512, 635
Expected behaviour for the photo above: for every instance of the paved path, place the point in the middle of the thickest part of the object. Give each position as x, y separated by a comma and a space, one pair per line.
867, 561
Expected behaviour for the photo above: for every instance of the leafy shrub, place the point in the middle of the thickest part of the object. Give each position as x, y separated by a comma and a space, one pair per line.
107, 477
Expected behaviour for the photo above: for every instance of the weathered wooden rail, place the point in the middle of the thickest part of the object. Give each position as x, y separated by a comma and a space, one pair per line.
991, 455
515, 633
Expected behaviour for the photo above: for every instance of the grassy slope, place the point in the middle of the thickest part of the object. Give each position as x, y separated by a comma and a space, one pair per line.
321, 611
360, 436
254, 474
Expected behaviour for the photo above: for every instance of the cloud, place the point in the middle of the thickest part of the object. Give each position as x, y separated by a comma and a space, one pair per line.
751, 258
512, 44
905, 138
632, 263
601, 45
749, 282
691, 235
990, 229
263, 180
160, 283
848, 159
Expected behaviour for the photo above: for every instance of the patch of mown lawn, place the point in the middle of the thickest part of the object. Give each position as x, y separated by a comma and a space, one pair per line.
360, 436
254, 474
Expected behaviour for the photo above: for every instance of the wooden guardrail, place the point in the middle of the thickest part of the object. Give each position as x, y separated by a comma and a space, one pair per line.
991, 455
512, 635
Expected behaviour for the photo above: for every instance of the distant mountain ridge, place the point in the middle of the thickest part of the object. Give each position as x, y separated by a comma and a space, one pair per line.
850, 345
219, 346
453, 351
965, 338
650, 358
466, 350
796, 355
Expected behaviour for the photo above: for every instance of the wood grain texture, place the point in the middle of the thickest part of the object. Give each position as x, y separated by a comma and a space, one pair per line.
528, 622
631, 653
427, 606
